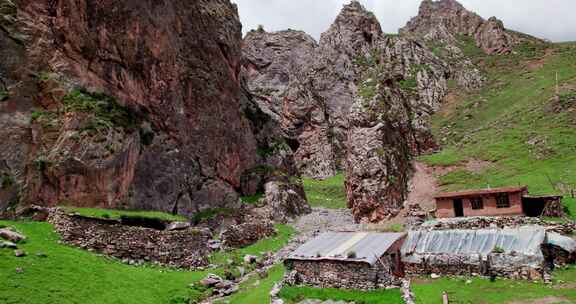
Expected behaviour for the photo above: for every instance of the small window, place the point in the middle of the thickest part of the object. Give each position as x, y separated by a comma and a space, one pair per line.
477, 203
503, 201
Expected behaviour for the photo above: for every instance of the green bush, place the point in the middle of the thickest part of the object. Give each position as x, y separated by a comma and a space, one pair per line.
4, 95
36, 115
107, 112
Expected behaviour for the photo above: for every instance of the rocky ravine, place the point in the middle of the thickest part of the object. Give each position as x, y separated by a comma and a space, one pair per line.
321, 95
129, 104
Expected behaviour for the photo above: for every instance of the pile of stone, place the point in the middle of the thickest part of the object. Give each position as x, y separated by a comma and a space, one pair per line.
415, 215
497, 222
220, 286
248, 233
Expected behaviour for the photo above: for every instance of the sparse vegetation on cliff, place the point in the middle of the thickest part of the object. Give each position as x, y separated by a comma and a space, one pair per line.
106, 110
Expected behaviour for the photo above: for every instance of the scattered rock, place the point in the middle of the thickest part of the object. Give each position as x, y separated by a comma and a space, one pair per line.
250, 259
41, 255
435, 276
19, 253
19, 270
262, 273
9, 245
211, 280
214, 244
11, 236
286, 199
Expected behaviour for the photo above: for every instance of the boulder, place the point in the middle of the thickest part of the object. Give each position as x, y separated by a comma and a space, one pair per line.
11, 235
286, 199
250, 259
19, 253
211, 280
9, 245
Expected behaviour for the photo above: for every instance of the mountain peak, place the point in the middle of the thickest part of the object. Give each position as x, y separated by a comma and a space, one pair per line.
354, 26
448, 19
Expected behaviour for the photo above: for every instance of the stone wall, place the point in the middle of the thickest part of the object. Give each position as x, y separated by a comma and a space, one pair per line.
341, 274
182, 249
497, 222
455, 265
247, 233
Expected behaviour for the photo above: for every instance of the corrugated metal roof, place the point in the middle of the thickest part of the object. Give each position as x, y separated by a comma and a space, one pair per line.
561, 241
480, 192
366, 246
523, 242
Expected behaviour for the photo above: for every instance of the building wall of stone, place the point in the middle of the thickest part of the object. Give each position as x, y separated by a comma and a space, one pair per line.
340, 274
458, 267
445, 207
182, 249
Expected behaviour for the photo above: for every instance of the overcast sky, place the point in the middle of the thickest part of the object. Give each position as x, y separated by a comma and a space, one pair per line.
551, 19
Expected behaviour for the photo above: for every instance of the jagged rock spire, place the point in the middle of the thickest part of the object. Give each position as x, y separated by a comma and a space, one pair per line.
446, 19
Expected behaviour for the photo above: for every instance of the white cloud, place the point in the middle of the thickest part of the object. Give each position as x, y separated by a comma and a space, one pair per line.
551, 19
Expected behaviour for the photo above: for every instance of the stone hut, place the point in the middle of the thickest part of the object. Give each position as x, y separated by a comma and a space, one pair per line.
496, 202
349, 260
512, 253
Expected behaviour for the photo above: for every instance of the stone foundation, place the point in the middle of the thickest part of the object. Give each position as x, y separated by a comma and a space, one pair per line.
339, 274
181, 249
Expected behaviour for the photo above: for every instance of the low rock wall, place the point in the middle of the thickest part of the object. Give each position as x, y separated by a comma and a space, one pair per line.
182, 249
246, 234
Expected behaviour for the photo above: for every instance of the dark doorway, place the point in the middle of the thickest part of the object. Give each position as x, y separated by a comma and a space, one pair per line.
458, 208
533, 206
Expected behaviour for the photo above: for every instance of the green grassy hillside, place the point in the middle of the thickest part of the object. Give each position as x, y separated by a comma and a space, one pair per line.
56, 273
516, 122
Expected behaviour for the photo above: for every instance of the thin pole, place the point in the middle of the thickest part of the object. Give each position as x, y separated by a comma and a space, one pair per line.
557, 87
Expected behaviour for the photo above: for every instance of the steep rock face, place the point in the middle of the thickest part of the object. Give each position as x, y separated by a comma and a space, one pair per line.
401, 85
318, 89
492, 37
173, 65
447, 19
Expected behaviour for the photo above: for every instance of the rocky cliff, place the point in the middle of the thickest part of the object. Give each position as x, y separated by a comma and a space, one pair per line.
446, 20
132, 104
323, 97
313, 93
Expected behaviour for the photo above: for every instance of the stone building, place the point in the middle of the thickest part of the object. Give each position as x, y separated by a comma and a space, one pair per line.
519, 253
350, 260
496, 202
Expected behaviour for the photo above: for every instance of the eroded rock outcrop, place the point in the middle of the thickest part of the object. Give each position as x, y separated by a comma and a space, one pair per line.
402, 84
346, 69
446, 20
320, 87
126, 104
